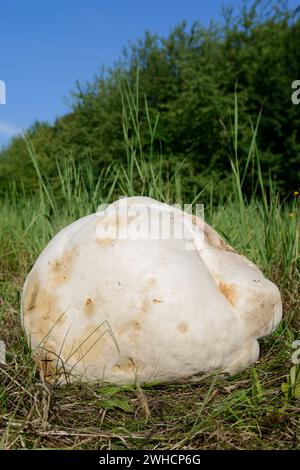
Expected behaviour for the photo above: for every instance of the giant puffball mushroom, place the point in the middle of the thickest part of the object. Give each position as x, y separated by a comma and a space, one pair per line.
109, 300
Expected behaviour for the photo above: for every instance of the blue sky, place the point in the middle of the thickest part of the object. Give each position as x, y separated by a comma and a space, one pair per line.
45, 46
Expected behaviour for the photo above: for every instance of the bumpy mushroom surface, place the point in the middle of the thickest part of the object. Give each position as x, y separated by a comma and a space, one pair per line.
108, 301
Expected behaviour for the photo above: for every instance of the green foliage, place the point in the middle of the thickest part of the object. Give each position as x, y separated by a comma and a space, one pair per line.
257, 391
115, 403
190, 79
251, 410
291, 388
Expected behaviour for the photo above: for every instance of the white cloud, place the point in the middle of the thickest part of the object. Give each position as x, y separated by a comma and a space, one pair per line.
9, 130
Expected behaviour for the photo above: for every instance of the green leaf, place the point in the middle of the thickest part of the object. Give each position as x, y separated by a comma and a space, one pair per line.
123, 405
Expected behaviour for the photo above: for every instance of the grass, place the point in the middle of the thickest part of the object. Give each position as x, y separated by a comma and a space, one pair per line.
256, 409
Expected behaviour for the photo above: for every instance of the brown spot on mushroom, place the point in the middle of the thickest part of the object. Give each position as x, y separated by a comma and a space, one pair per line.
182, 327
157, 301
136, 323
61, 268
211, 235
129, 327
88, 345
195, 220
89, 306
125, 365
95, 304
30, 296
40, 306
104, 242
42, 317
229, 291
226, 247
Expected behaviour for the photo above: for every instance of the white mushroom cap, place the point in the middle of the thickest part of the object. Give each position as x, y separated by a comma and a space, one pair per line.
105, 302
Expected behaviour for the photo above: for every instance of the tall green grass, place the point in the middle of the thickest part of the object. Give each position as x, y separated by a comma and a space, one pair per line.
262, 227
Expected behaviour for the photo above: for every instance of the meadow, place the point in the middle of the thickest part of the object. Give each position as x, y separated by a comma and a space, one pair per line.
258, 409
